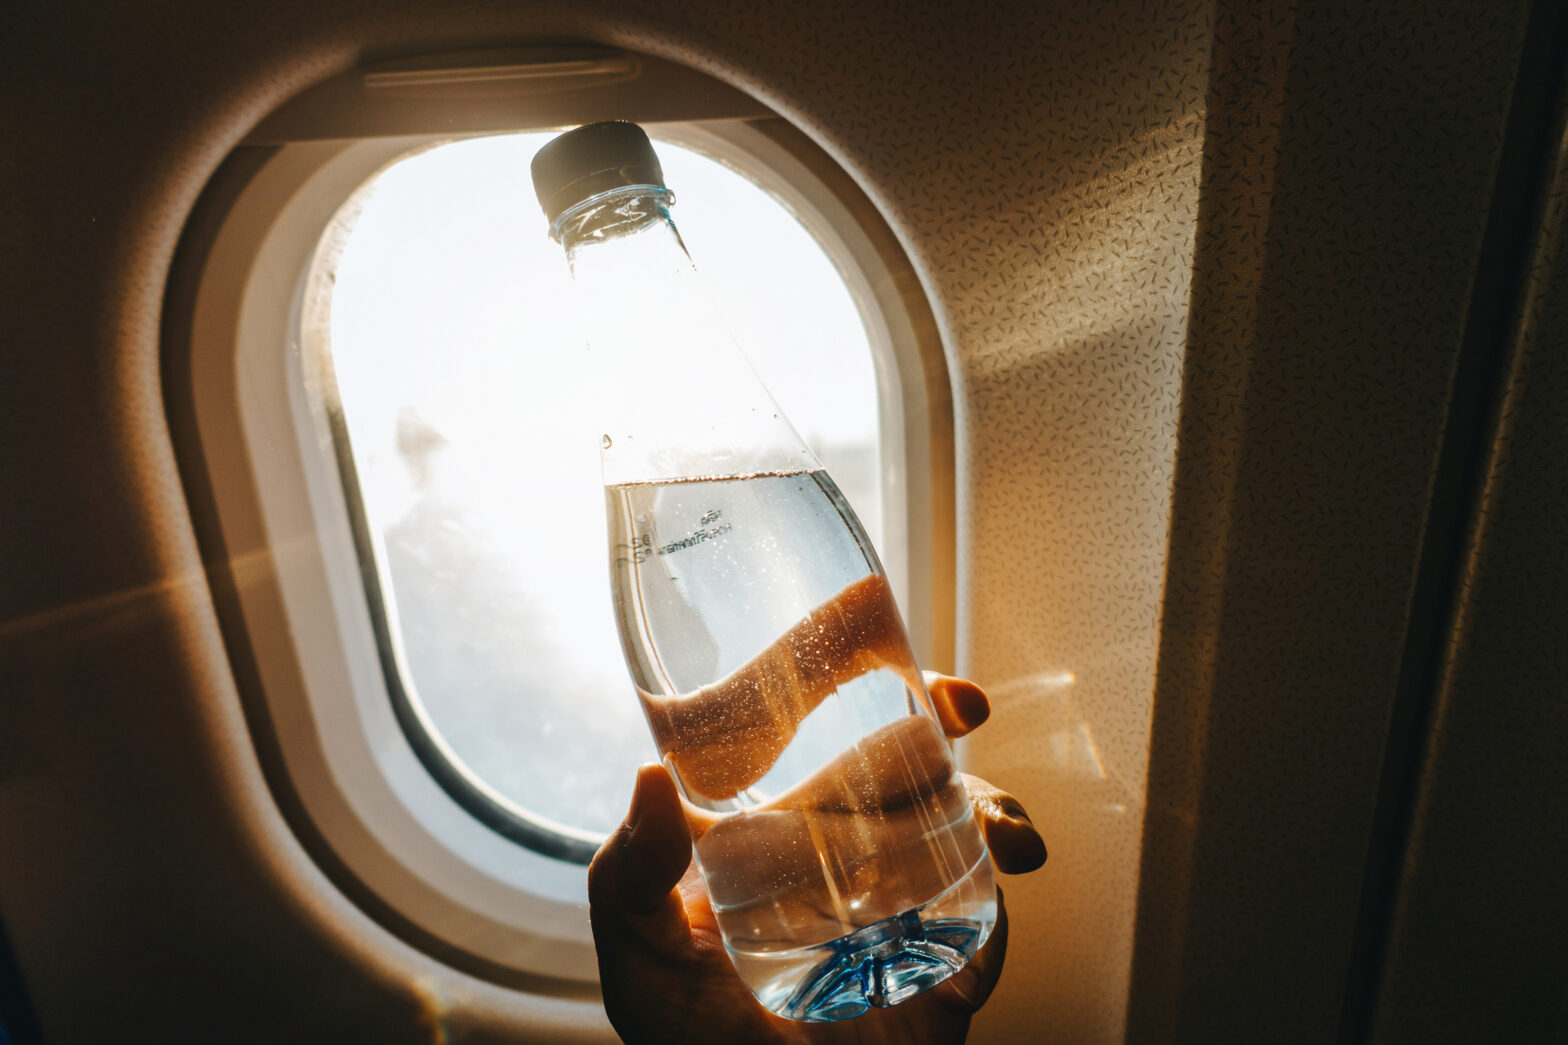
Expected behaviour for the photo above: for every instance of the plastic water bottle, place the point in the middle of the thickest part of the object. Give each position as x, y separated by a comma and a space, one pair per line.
839, 850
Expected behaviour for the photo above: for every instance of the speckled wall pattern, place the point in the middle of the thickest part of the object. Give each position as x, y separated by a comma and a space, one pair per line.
1070, 320
1348, 174
1481, 885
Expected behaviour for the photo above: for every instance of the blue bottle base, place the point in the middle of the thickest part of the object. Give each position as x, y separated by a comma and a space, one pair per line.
882, 964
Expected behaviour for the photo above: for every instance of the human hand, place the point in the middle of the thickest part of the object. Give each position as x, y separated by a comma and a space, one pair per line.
662, 965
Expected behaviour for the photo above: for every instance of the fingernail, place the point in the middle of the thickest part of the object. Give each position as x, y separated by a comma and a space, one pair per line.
1032, 856
972, 703
1014, 810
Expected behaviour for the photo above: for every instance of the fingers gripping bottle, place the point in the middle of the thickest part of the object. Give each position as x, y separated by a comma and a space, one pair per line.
843, 861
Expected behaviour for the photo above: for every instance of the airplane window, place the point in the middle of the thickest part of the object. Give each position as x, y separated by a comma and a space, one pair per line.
465, 423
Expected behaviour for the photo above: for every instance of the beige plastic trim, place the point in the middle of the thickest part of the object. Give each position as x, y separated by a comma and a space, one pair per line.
495, 91
281, 508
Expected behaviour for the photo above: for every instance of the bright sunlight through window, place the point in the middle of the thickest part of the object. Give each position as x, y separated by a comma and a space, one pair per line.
474, 436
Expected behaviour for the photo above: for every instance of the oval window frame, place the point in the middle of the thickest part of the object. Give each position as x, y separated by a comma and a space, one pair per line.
277, 532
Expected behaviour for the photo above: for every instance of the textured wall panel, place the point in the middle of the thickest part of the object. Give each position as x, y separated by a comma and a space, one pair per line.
1074, 267
1348, 173
1476, 949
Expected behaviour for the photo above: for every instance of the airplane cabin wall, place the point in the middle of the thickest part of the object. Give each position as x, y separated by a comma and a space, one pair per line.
1475, 939
1367, 172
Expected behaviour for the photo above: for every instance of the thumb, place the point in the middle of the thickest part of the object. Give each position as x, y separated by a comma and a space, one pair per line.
636, 868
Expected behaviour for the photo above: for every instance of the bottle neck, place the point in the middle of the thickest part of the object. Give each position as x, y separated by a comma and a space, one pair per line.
630, 226
680, 400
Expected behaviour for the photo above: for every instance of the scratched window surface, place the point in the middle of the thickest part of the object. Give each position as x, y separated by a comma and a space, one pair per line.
475, 438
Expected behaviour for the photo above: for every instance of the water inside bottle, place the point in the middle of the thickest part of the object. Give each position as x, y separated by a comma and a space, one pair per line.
839, 850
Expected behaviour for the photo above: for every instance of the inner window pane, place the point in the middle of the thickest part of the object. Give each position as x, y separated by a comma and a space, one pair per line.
474, 437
